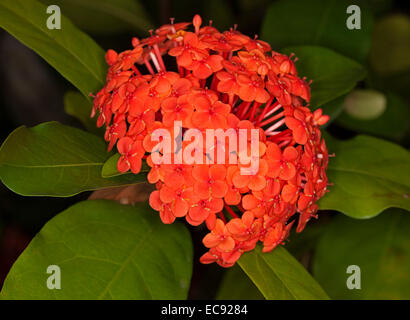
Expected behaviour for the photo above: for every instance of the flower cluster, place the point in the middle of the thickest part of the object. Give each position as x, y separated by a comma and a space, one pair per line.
220, 80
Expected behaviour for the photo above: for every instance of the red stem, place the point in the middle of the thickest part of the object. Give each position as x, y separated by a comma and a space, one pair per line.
267, 121
230, 211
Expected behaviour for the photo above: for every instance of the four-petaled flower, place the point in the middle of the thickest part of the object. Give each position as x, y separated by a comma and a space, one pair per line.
221, 80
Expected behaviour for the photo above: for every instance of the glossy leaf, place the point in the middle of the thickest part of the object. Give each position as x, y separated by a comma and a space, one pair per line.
302, 245
105, 16
333, 109
109, 168
380, 247
52, 159
369, 175
70, 51
105, 250
236, 285
278, 275
333, 74
314, 22
78, 106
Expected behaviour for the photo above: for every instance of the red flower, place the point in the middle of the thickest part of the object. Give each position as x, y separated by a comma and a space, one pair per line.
202, 69
131, 154
217, 80
177, 109
255, 182
281, 164
298, 126
252, 88
245, 228
219, 237
177, 175
114, 132
179, 198
210, 181
258, 202
191, 50
164, 209
200, 211
210, 115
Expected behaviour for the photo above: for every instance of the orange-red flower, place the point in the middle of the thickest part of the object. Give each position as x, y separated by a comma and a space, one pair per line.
177, 109
281, 163
245, 228
210, 115
219, 237
200, 211
131, 153
210, 181
217, 80
179, 198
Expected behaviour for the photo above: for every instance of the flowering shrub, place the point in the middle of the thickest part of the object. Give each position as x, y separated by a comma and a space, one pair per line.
224, 80
204, 149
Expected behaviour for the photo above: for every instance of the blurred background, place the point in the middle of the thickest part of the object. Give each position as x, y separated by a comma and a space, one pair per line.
32, 92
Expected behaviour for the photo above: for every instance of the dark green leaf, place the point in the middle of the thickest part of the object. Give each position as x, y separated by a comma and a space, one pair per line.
52, 159
278, 275
393, 124
390, 52
302, 245
237, 286
333, 109
369, 175
380, 247
314, 22
105, 250
71, 52
220, 12
333, 74
105, 16
78, 106
397, 83
365, 104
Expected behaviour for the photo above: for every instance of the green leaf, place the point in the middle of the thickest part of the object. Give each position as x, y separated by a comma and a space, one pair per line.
105, 16
70, 51
220, 12
392, 32
52, 159
78, 106
333, 109
393, 124
110, 167
236, 285
278, 275
314, 22
380, 247
302, 245
365, 104
105, 250
333, 74
369, 175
